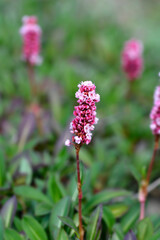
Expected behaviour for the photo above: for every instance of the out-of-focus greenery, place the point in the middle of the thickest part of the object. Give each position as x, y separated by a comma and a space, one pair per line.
81, 40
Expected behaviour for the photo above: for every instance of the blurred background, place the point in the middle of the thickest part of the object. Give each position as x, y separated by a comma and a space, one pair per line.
81, 40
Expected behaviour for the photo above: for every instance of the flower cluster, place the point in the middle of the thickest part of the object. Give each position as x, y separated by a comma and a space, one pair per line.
155, 113
132, 61
85, 114
31, 33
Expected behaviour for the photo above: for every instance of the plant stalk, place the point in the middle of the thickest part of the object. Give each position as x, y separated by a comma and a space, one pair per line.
81, 231
156, 144
31, 77
144, 185
142, 210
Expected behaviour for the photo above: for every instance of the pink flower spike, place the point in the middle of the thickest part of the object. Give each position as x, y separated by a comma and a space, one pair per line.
155, 113
31, 35
132, 60
85, 113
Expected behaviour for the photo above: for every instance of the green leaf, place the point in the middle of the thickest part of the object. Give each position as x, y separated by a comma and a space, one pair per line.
11, 234
86, 157
42, 209
156, 236
2, 169
33, 229
69, 222
1, 228
93, 229
72, 189
103, 197
118, 209
108, 218
18, 224
25, 168
55, 188
62, 235
8, 211
118, 232
31, 193
145, 229
60, 209
130, 218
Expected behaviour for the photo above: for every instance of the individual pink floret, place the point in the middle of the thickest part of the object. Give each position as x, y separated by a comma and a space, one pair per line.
155, 113
85, 114
132, 60
31, 34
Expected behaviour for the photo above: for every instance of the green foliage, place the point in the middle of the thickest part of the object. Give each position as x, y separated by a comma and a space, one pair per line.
145, 229
68, 221
2, 169
60, 209
11, 234
93, 229
33, 229
31, 193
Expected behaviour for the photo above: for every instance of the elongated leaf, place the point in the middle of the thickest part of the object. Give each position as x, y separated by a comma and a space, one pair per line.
108, 218
33, 229
62, 235
103, 197
73, 192
130, 236
93, 228
145, 229
2, 169
69, 222
31, 193
55, 188
156, 236
11, 234
26, 169
1, 228
119, 233
118, 209
130, 218
18, 224
60, 209
42, 209
8, 211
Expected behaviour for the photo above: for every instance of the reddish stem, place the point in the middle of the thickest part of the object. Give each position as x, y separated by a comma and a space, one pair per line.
142, 210
81, 232
143, 189
31, 76
156, 143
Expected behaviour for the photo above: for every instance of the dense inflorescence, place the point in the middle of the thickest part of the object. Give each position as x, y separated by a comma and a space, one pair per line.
132, 60
85, 114
155, 113
31, 34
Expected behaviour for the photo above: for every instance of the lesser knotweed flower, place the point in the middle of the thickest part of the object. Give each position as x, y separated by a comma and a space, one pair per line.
155, 113
31, 34
132, 61
155, 127
85, 114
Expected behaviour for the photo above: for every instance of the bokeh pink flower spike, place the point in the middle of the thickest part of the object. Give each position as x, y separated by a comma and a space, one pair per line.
31, 34
85, 114
155, 113
132, 59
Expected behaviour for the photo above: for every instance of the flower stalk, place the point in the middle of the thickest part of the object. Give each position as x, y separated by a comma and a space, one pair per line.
144, 185
156, 144
31, 77
79, 187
